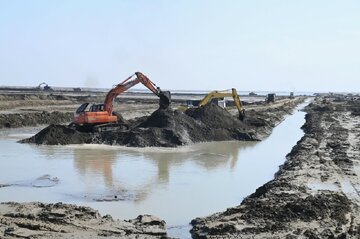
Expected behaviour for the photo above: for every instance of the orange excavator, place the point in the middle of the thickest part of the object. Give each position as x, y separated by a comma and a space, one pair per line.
100, 117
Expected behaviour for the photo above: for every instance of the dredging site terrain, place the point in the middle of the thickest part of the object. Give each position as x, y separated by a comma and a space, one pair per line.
315, 194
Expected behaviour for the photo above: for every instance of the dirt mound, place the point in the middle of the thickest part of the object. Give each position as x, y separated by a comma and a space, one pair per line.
58, 134
166, 118
175, 127
163, 128
214, 116
171, 128
40, 220
141, 137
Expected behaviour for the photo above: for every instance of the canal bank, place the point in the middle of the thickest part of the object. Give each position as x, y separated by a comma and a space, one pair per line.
315, 194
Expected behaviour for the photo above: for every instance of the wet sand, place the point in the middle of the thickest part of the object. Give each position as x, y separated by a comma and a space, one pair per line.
40, 220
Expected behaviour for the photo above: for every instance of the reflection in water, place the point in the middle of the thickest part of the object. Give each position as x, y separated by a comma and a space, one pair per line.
97, 161
92, 161
102, 160
207, 155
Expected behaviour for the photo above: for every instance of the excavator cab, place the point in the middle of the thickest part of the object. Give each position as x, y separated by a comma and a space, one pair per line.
82, 108
90, 108
97, 107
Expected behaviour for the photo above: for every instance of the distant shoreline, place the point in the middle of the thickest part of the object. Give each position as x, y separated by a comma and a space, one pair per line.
81, 90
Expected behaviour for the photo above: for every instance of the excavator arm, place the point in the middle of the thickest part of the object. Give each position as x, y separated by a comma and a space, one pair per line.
213, 95
220, 94
238, 103
128, 83
164, 96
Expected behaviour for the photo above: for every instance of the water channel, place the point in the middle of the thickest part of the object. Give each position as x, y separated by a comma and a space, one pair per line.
176, 185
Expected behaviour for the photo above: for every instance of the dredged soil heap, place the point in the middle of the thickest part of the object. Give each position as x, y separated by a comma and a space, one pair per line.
163, 128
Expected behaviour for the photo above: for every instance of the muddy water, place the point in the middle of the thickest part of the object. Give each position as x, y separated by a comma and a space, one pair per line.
174, 184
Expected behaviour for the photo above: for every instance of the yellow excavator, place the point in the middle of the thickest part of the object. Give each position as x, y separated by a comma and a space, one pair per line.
220, 94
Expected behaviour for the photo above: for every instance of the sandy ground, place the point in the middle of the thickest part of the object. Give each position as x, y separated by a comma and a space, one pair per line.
315, 194
39, 220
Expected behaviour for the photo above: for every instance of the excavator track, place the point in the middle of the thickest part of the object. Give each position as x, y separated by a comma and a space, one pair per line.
110, 127
88, 128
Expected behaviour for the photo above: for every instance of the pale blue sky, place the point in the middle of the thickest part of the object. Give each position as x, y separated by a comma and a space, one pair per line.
288, 45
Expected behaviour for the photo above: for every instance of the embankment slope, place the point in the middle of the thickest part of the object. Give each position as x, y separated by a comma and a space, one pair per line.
315, 194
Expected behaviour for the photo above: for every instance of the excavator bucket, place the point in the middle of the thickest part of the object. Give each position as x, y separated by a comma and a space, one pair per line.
165, 99
242, 115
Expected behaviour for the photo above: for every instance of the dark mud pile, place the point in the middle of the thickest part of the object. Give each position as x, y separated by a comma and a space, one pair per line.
60, 134
163, 128
15, 120
40, 220
314, 194
172, 128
